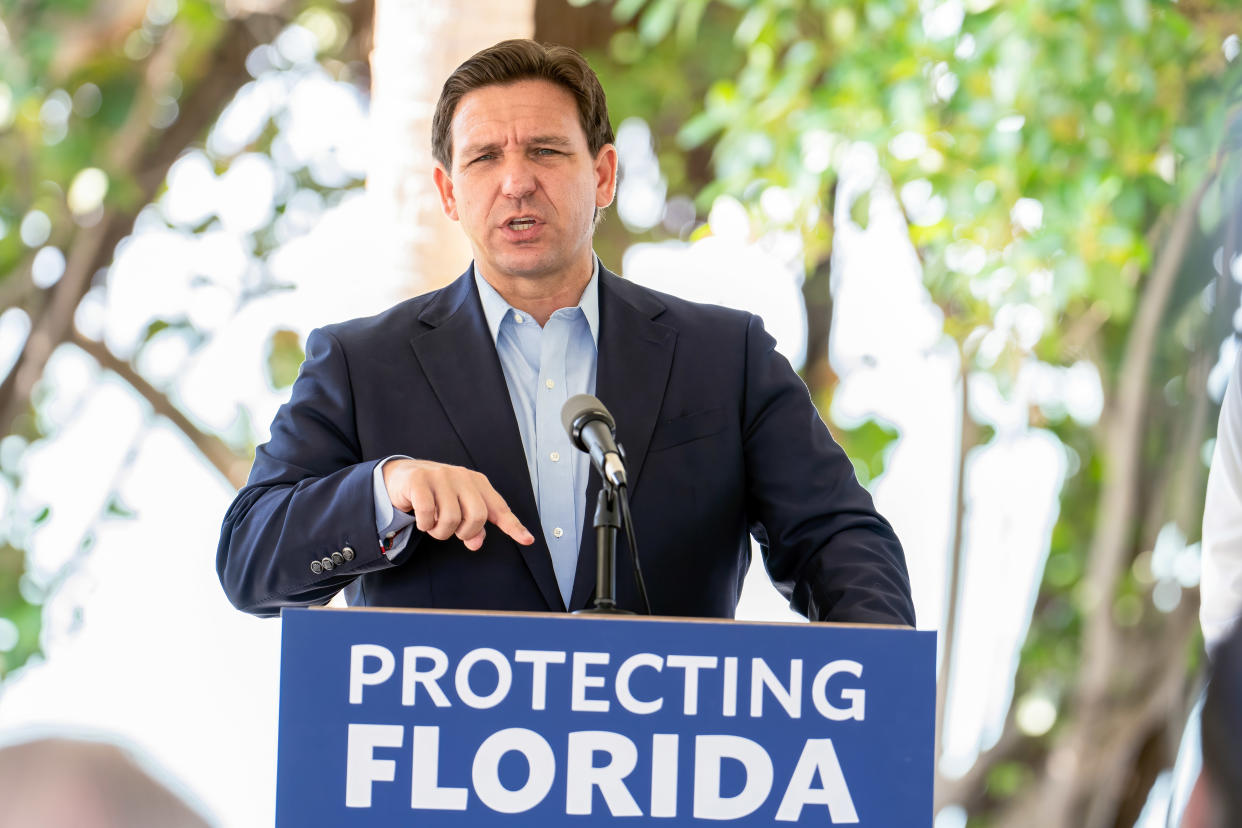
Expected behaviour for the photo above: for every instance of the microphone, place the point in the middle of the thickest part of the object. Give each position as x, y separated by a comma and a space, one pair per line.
592, 429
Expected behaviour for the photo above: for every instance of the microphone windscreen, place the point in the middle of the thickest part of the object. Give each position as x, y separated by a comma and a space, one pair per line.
584, 405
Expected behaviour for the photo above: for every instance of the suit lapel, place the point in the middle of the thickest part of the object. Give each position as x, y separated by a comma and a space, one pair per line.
458, 357
635, 357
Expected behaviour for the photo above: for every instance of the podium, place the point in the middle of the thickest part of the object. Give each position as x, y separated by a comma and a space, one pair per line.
438, 718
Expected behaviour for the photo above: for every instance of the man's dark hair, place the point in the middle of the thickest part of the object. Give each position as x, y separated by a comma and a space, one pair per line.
511, 61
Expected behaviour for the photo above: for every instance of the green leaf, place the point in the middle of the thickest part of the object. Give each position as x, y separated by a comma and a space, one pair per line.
1138, 14
1007, 778
698, 130
688, 20
1211, 209
624, 10
860, 210
657, 20
868, 446
116, 508
155, 327
752, 25
284, 358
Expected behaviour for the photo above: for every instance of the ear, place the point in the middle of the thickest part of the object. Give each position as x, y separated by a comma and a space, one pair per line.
605, 175
445, 185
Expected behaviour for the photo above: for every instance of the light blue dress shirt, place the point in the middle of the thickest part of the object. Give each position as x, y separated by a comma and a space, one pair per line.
543, 368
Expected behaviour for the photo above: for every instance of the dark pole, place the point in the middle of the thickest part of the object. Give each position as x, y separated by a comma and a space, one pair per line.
607, 522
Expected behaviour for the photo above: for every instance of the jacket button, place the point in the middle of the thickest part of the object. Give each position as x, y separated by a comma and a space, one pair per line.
338, 558
327, 564
347, 553
316, 567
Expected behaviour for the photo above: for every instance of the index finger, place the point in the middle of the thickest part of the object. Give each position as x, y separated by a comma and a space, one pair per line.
499, 513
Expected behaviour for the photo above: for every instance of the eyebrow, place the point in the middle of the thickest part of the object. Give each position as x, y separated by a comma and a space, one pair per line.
558, 140
537, 140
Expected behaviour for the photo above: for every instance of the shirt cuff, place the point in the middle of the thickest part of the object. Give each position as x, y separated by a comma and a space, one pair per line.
394, 528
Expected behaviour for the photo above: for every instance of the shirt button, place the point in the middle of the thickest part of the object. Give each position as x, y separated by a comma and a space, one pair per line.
558, 531
555, 456
550, 384
518, 318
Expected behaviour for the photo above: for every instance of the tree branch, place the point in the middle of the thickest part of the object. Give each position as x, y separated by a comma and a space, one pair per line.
91, 249
18, 290
1122, 679
1123, 437
969, 790
233, 467
966, 440
1114, 737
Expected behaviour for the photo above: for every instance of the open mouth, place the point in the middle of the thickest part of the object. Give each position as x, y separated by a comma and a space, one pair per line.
522, 223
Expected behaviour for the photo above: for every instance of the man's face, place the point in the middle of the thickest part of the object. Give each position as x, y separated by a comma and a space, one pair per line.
524, 184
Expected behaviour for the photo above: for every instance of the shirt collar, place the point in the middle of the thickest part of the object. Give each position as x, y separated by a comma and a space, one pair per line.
495, 308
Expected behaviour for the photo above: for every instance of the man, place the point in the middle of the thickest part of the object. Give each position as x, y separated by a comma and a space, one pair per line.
1194, 791
1216, 800
444, 411
1220, 586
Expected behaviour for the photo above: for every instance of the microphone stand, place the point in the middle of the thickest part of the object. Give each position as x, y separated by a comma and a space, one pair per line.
607, 522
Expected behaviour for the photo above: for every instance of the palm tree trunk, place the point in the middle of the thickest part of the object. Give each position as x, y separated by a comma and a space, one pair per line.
418, 43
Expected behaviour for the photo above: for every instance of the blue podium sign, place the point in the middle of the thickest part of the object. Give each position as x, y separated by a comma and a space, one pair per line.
408, 717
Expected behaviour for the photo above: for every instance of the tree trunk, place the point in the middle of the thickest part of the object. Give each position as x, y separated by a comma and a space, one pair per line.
1127, 691
967, 437
817, 373
418, 43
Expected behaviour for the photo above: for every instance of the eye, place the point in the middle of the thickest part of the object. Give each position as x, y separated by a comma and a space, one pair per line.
546, 151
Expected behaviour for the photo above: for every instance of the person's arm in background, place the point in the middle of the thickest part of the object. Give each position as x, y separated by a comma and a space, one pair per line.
1220, 585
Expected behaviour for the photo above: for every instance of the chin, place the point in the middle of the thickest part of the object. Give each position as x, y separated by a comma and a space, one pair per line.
529, 268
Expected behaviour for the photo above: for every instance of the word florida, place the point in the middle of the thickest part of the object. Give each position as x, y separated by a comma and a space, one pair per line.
585, 774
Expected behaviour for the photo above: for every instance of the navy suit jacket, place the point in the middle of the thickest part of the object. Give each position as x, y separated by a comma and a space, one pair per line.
721, 438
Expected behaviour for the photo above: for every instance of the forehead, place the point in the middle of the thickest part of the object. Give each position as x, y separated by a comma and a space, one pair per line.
514, 111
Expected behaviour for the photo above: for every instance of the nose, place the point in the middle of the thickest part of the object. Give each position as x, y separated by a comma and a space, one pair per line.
519, 179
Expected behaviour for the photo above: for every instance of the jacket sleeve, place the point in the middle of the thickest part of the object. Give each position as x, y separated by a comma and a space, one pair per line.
1220, 586
310, 496
826, 548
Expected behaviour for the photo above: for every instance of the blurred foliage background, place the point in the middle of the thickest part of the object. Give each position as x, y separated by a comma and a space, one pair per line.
97, 102
1068, 175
